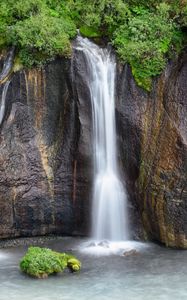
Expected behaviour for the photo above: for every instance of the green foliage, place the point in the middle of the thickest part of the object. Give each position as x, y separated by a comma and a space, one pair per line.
89, 32
144, 41
46, 35
146, 3
144, 33
40, 29
41, 262
102, 15
182, 15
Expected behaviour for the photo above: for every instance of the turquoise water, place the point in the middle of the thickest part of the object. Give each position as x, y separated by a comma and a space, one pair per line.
153, 273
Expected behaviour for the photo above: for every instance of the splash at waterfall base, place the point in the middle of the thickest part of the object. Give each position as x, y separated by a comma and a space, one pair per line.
105, 248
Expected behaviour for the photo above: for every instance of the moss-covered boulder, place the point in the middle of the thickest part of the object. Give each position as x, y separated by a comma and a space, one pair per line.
73, 263
41, 262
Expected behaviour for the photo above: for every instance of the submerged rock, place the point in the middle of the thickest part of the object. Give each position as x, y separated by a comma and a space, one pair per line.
130, 252
104, 244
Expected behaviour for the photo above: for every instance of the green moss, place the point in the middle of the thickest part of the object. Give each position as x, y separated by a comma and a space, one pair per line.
143, 81
142, 176
17, 64
73, 263
41, 262
89, 32
2, 42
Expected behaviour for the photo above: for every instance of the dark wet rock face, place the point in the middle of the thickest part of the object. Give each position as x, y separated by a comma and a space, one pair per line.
153, 147
46, 152
37, 148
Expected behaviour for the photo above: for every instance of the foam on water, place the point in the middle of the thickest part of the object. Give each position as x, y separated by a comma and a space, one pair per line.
4, 255
112, 248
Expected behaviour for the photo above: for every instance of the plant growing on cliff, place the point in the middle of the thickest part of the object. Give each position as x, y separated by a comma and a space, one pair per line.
41, 262
144, 41
39, 29
144, 33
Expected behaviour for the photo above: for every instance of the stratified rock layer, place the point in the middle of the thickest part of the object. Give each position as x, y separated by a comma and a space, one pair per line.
38, 147
153, 144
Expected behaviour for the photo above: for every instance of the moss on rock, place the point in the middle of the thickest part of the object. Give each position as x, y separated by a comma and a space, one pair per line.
90, 32
41, 262
73, 264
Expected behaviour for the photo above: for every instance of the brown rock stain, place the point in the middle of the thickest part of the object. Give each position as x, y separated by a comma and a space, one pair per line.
36, 96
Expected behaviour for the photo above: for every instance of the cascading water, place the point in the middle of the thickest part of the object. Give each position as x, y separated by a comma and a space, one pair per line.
109, 197
7, 64
3, 101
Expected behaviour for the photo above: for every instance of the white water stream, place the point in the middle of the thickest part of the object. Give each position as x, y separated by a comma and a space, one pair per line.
3, 101
7, 64
109, 218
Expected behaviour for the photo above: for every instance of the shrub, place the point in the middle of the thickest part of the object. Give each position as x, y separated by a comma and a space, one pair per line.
144, 41
41, 262
41, 37
144, 33
38, 28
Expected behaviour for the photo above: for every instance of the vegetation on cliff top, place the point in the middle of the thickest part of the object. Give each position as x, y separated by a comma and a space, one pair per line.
40, 29
41, 262
144, 33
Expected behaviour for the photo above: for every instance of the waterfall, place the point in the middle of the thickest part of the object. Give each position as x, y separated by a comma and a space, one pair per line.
3, 101
109, 220
7, 64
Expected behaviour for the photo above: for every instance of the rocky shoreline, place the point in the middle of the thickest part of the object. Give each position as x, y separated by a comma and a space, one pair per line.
27, 241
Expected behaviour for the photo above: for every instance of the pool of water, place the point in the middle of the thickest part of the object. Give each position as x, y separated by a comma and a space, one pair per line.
152, 273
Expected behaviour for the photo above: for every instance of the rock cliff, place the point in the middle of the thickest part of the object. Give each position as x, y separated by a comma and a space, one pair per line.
46, 153
38, 145
153, 147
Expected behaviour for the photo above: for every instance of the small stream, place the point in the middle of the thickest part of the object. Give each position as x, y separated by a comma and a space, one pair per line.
153, 273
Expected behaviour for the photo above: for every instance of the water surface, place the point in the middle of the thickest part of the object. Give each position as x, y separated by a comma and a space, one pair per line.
152, 274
